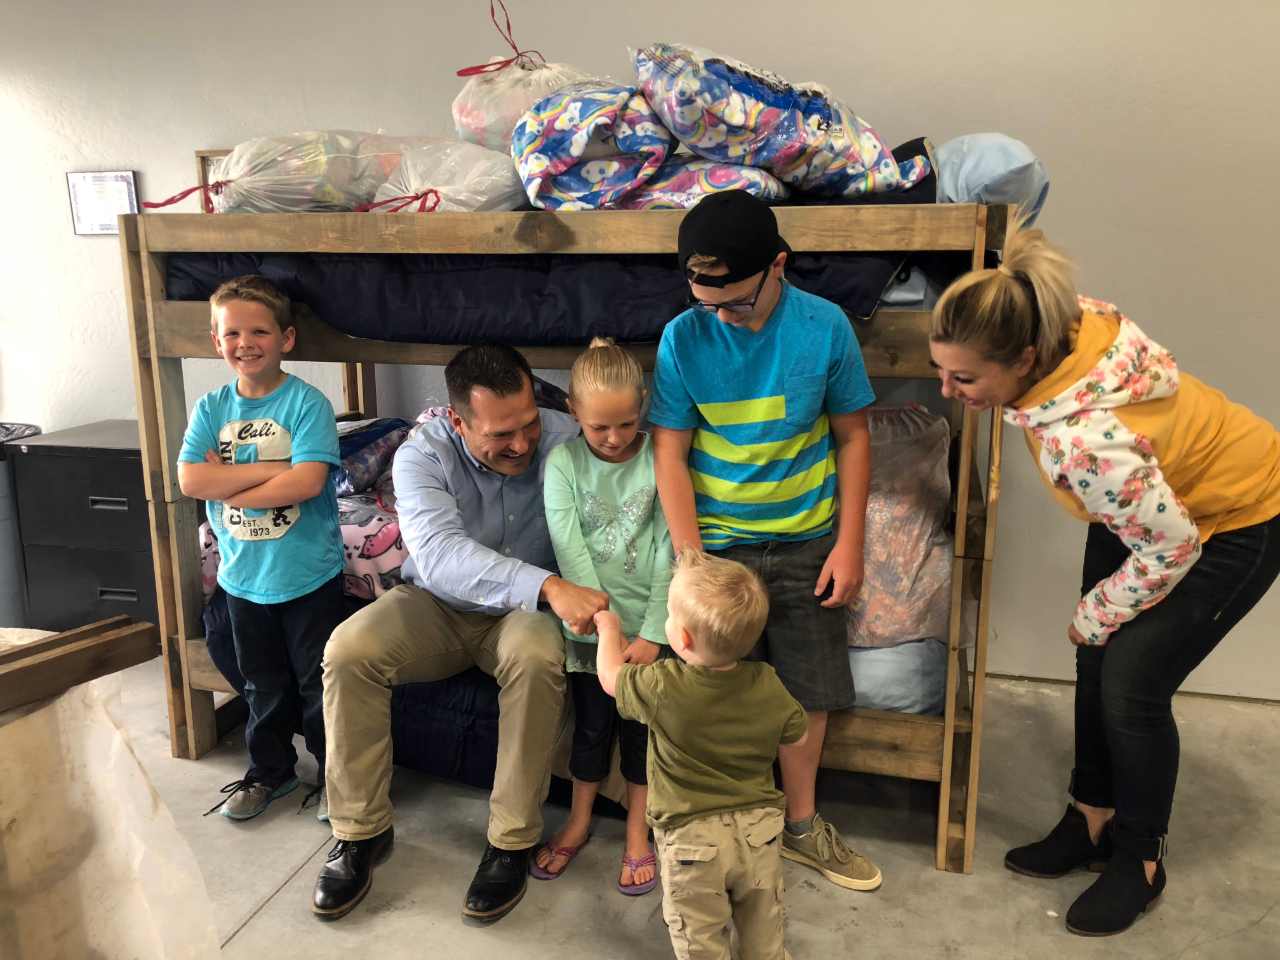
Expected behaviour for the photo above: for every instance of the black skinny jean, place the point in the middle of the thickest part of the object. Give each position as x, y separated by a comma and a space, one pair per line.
1126, 738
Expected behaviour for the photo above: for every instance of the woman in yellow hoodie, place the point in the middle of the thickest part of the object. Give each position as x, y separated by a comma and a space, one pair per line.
1181, 488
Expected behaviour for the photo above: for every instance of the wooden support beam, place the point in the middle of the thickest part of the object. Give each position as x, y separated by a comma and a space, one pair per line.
166, 373
359, 390
204, 675
55, 664
202, 729
867, 228
145, 394
884, 742
894, 343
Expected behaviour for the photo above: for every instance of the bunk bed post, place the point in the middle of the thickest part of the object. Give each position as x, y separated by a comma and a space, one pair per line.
140, 356
958, 793
359, 390
994, 451
177, 554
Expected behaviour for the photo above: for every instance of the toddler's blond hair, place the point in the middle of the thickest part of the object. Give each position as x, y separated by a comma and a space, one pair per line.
722, 604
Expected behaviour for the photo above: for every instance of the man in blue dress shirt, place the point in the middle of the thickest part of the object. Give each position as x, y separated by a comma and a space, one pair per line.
469, 495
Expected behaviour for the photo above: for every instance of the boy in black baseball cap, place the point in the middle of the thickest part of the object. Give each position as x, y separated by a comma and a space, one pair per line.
759, 428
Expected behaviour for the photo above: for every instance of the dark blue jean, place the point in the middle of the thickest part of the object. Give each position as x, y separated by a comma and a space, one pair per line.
1126, 738
279, 648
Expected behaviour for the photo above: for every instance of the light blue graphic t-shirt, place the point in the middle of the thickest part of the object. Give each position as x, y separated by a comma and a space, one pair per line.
282, 553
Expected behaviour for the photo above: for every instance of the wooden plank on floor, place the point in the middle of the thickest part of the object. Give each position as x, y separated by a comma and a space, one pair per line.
50, 671
63, 639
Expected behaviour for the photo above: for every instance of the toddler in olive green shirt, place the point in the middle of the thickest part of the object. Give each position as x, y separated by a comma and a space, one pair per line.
715, 723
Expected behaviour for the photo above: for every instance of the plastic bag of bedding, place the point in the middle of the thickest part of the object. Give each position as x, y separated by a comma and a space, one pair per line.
588, 146
725, 110
684, 180
490, 103
450, 175
315, 171
366, 448
906, 591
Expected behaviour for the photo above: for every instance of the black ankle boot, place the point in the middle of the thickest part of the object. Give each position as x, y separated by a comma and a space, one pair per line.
347, 874
1121, 894
498, 885
1066, 848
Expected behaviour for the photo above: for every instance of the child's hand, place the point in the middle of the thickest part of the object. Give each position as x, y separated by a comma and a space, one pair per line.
640, 651
211, 457
841, 577
607, 620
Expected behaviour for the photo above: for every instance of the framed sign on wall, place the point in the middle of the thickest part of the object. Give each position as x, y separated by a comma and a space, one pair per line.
98, 197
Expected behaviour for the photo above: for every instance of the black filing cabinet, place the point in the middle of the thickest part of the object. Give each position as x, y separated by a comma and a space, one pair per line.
82, 512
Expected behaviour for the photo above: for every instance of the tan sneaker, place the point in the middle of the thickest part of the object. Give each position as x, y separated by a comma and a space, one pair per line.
825, 850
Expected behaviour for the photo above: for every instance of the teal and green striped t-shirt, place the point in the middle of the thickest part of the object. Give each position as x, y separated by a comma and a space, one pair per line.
763, 458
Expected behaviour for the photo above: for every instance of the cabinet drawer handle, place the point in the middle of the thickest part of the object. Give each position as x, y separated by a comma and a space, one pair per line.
118, 594
108, 503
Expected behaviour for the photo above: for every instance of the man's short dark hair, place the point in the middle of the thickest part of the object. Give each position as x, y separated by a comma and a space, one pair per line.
494, 366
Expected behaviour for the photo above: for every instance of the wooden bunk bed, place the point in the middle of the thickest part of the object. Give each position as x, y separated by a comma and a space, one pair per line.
942, 749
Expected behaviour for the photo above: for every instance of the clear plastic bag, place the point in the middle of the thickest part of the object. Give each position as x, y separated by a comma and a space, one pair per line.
725, 110
906, 591
463, 176
487, 108
315, 171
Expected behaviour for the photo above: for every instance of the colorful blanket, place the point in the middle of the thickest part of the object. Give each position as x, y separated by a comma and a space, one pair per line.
588, 146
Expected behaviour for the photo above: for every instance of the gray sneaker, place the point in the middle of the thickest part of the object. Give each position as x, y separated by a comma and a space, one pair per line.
825, 850
247, 798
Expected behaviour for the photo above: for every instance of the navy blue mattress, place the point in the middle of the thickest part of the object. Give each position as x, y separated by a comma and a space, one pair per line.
532, 299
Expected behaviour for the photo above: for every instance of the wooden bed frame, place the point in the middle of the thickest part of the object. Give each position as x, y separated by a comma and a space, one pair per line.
943, 749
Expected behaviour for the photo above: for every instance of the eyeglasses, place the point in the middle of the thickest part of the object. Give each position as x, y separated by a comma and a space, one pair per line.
733, 306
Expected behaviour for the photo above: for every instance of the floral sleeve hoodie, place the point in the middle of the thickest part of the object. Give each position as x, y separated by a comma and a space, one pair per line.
1103, 469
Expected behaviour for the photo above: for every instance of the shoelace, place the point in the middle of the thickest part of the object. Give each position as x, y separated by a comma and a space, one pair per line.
231, 789
834, 844
339, 848
315, 792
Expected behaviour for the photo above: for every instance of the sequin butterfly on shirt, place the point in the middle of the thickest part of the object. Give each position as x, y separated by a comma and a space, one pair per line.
615, 523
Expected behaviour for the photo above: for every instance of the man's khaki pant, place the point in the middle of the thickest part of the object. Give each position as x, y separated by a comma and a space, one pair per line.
408, 636
721, 868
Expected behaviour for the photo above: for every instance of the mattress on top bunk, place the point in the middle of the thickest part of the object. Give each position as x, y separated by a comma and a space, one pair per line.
530, 299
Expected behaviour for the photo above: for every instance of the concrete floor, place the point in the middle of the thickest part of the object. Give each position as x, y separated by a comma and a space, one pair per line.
1221, 902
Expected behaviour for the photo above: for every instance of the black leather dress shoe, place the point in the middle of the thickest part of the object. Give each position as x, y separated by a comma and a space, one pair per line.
347, 874
498, 885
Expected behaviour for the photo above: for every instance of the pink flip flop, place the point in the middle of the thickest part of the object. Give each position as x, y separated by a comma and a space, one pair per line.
538, 873
639, 889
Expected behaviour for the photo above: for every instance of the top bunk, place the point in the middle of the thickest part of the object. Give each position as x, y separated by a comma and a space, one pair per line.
894, 341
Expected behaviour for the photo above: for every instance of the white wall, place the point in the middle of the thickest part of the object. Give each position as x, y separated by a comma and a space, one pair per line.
1156, 122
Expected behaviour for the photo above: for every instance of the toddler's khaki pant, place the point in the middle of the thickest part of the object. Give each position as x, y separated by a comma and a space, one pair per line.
720, 868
